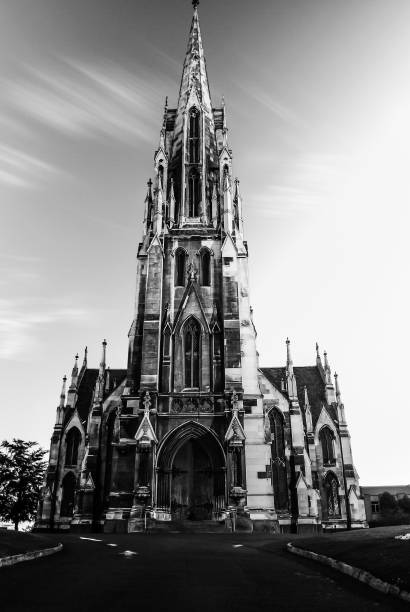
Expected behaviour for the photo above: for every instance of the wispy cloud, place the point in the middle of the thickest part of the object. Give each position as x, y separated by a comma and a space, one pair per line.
302, 184
18, 169
84, 100
273, 104
19, 325
19, 258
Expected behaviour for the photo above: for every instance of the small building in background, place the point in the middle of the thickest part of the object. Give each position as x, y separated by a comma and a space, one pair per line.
371, 496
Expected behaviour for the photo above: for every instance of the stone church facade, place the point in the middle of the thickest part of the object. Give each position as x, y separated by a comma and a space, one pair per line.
193, 429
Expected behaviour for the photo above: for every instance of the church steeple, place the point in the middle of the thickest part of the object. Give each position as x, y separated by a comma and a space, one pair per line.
194, 72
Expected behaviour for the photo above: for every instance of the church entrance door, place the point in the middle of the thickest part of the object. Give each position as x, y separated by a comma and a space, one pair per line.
192, 483
191, 474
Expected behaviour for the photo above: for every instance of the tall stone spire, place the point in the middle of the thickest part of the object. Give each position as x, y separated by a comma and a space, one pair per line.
99, 385
84, 366
74, 374
61, 406
194, 73
289, 362
103, 356
328, 371
290, 376
330, 390
308, 412
340, 405
318, 358
62, 394
337, 388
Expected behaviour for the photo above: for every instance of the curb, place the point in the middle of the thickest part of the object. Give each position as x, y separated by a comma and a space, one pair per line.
355, 572
28, 556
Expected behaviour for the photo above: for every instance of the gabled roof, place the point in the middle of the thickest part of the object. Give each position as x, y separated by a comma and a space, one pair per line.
309, 376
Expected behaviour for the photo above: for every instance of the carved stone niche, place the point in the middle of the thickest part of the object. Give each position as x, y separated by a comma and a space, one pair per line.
237, 493
142, 492
176, 405
191, 404
206, 405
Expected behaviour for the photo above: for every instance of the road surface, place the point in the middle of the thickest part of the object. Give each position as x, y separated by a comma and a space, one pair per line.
183, 572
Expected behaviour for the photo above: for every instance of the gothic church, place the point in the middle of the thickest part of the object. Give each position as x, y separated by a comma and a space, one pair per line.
194, 431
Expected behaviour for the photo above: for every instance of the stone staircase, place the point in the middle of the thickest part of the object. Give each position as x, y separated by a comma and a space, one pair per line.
185, 526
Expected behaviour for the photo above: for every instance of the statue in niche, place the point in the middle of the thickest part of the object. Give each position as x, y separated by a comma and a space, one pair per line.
176, 405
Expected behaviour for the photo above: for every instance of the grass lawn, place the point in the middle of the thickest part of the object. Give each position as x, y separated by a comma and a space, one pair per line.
375, 550
16, 543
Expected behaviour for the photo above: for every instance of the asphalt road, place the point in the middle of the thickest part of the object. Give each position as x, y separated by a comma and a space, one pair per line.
204, 572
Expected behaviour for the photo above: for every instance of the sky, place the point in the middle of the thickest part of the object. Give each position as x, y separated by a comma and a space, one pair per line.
318, 98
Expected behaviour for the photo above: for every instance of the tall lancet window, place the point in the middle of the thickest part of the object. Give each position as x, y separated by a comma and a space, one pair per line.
331, 486
72, 443
192, 341
326, 440
161, 175
193, 136
194, 194
180, 267
279, 475
205, 268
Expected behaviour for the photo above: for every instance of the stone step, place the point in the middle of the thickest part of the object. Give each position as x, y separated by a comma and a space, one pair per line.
186, 526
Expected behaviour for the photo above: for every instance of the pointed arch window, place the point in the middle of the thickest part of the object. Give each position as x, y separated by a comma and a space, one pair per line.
331, 486
327, 443
217, 344
194, 193
194, 136
192, 342
143, 469
279, 474
237, 467
167, 342
68, 492
73, 440
205, 268
180, 268
161, 175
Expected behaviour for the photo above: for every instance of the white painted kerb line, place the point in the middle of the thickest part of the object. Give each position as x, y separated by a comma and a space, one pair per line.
90, 539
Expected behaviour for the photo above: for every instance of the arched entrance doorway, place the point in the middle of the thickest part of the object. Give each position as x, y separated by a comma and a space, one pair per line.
191, 474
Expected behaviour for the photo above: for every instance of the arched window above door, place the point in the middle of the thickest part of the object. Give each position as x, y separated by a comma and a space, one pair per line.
73, 440
326, 438
180, 267
192, 345
205, 275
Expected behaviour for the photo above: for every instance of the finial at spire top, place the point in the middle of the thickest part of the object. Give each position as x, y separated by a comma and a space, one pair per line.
289, 362
336, 376
195, 3
85, 357
62, 395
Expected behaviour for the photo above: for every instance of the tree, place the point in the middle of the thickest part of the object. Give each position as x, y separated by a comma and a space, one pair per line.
404, 504
22, 472
388, 503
